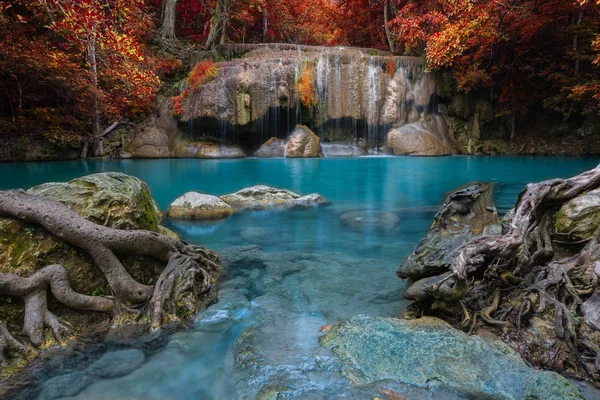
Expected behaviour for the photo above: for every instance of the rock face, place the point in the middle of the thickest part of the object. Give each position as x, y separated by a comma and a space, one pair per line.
425, 138
156, 136
579, 218
273, 147
256, 93
190, 149
303, 143
263, 197
370, 219
467, 212
194, 205
112, 198
428, 352
341, 150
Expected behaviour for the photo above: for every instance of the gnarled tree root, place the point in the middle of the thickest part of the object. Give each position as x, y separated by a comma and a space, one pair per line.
186, 269
520, 265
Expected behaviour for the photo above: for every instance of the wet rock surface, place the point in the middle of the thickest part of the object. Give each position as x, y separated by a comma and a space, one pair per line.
263, 197
467, 212
342, 150
191, 149
198, 206
370, 219
428, 352
429, 137
273, 147
303, 143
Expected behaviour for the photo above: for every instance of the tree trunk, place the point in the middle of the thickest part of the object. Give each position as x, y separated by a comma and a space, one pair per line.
168, 21
215, 25
265, 22
225, 21
96, 140
388, 34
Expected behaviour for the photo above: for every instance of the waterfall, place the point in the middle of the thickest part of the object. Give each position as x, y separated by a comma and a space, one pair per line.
357, 100
373, 95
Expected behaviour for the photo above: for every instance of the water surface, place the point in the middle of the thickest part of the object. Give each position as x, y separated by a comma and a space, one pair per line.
288, 273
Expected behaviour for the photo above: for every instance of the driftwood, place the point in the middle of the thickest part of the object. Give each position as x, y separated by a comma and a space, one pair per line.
186, 269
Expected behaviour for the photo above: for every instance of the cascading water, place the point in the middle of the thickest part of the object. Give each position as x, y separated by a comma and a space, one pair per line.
357, 99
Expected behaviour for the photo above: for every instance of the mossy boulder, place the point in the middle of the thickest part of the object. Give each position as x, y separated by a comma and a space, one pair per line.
579, 218
111, 198
429, 353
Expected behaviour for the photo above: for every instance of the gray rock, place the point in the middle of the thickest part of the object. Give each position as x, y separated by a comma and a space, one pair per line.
429, 137
273, 147
342, 150
263, 197
198, 206
370, 219
430, 353
65, 386
467, 212
116, 363
579, 218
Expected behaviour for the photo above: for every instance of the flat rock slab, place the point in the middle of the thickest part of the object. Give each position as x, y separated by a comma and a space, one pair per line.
198, 206
263, 197
428, 352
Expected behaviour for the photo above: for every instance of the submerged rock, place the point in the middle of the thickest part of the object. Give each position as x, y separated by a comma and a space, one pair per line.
303, 143
370, 219
429, 137
194, 205
263, 197
428, 352
116, 363
207, 150
342, 150
579, 218
467, 212
273, 147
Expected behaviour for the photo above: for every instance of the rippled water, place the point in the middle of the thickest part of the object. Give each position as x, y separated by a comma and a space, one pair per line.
288, 273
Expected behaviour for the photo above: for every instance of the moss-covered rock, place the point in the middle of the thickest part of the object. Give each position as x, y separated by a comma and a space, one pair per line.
111, 199
579, 218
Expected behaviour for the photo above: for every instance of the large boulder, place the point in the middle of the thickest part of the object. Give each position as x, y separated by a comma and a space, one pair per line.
428, 352
579, 218
154, 137
466, 213
263, 197
194, 205
207, 150
273, 147
303, 143
111, 198
429, 137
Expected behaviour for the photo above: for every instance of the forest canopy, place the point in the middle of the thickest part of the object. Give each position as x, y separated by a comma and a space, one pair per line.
69, 69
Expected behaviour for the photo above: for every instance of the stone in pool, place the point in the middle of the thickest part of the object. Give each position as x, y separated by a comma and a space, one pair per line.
198, 206
262, 197
370, 219
428, 352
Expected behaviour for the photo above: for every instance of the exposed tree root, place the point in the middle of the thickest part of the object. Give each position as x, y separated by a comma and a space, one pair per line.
514, 277
186, 270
